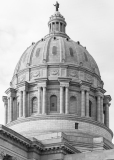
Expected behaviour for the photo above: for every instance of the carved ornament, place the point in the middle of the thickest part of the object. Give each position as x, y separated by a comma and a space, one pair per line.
89, 78
73, 74
35, 74
54, 72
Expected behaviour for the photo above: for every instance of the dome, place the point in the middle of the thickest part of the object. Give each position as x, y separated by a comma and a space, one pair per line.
57, 50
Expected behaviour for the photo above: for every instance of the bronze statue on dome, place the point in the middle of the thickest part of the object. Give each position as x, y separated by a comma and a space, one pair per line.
56, 5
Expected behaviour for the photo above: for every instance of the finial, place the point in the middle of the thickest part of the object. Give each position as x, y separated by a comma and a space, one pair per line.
56, 5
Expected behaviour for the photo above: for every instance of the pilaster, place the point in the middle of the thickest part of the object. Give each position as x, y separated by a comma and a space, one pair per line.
42, 84
85, 88
67, 100
5, 100
87, 103
44, 101
107, 99
64, 84
24, 103
61, 100
99, 96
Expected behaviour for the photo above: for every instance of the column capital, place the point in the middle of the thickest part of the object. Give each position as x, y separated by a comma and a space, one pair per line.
61, 79
23, 85
85, 88
43, 84
100, 90
98, 93
107, 99
5, 99
64, 84
11, 92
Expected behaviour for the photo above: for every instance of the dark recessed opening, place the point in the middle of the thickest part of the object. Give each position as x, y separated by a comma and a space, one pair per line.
76, 125
78, 42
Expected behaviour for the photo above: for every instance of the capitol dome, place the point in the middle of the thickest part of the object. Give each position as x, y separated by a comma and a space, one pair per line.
57, 48
57, 87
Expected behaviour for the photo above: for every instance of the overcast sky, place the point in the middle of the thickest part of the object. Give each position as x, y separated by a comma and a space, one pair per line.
89, 21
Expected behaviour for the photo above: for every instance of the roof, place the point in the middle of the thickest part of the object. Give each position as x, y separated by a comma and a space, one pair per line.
56, 49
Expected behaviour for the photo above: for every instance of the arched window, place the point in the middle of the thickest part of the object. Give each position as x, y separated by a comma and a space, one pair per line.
54, 50
57, 26
17, 109
61, 27
14, 109
34, 105
85, 55
71, 52
37, 52
73, 105
104, 115
53, 103
90, 108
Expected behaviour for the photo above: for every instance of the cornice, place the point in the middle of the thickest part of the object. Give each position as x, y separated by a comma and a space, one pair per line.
69, 149
59, 65
14, 136
10, 91
23, 84
85, 85
64, 79
33, 144
100, 90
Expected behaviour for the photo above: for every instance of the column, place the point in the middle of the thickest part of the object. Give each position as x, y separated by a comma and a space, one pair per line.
28, 104
5, 100
61, 100
2, 155
39, 100
67, 100
82, 103
20, 105
98, 108
101, 110
49, 27
62, 27
24, 103
11, 109
44, 101
8, 109
107, 114
87, 103
59, 27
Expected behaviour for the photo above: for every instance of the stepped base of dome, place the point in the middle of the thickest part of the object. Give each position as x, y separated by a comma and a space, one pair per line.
75, 125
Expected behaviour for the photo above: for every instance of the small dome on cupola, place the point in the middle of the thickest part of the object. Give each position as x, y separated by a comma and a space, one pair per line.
57, 23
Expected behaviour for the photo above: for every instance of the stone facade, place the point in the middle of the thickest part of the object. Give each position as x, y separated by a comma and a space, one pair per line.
55, 106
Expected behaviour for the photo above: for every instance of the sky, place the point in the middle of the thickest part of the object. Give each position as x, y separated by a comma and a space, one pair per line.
89, 21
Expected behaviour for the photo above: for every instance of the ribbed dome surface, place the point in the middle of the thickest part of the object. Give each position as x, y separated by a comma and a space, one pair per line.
56, 49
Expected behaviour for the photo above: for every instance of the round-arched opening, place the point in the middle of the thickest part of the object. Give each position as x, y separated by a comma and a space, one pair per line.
53, 103
34, 105
73, 105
